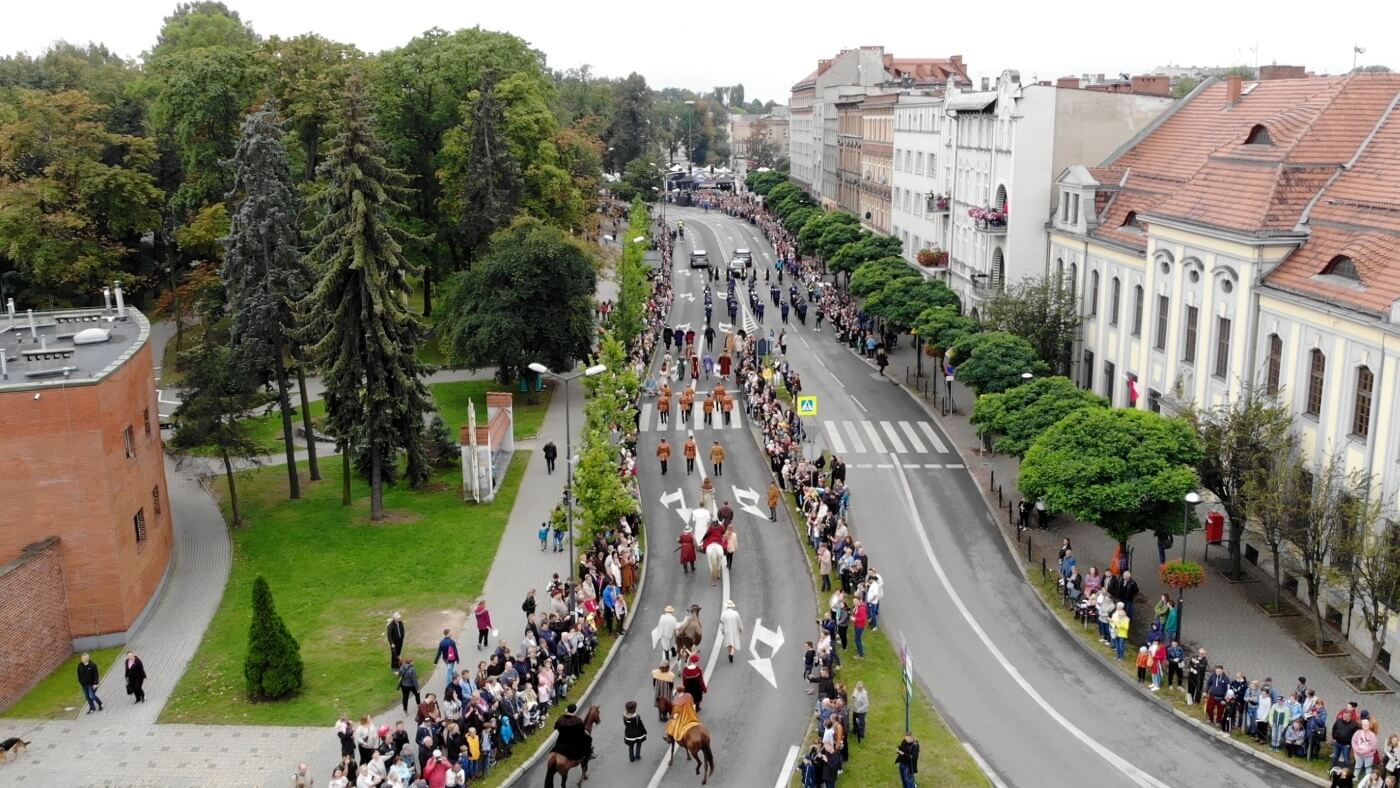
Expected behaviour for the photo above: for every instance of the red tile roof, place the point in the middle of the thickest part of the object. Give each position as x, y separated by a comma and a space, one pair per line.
926, 69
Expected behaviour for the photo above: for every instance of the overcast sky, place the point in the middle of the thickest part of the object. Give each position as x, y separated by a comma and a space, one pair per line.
769, 44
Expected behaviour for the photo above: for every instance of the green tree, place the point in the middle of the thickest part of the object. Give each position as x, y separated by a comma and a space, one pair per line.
481, 179
867, 247
75, 198
306, 75
762, 183
736, 95
1184, 86
356, 320
942, 327
263, 272
900, 302
638, 180
634, 280
1321, 530
1016, 417
810, 239
876, 275
800, 217
993, 361
1277, 491
216, 397
1042, 311
584, 100
628, 135
202, 24
1125, 470
272, 667
529, 299
1241, 438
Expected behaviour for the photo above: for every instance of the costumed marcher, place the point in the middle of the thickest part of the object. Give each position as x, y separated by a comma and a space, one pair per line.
663, 682
693, 678
666, 632
683, 716
731, 627
687, 549
574, 742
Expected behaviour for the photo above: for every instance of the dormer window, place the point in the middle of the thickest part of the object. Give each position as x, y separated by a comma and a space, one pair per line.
1343, 267
1131, 221
1259, 136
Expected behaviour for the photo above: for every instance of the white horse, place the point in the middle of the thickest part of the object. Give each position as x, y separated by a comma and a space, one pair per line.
715, 555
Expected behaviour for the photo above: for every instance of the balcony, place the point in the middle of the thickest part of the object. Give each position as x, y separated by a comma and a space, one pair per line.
936, 203
988, 220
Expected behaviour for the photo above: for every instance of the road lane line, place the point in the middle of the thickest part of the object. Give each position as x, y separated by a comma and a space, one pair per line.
1133, 773
984, 766
857, 402
833, 436
877, 445
857, 444
646, 417
893, 436
938, 445
913, 437
785, 774
804, 344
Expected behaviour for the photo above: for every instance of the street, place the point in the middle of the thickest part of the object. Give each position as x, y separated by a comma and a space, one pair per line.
998, 669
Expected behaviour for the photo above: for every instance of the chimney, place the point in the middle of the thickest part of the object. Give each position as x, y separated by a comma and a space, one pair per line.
107, 299
1152, 85
10, 307
986, 83
33, 328
121, 302
4, 368
1067, 82
1233, 86
1282, 72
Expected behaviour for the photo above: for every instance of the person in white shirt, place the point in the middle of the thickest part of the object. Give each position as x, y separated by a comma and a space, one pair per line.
874, 592
338, 779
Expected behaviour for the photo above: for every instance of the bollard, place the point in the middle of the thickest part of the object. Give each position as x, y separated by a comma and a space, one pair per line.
1028, 547
1044, 573
999, 500
992, 484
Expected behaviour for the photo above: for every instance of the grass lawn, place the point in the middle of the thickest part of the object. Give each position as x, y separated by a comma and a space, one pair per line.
451, 400
335, 578
58, 696
942, 758
1049, 590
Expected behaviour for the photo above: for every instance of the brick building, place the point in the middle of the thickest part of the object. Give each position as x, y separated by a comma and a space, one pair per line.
81, 461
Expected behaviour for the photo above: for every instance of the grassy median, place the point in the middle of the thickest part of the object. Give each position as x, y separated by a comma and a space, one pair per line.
335, 578
58, 696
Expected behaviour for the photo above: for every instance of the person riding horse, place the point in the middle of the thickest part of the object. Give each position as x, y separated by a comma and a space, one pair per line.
574, 742
684, 716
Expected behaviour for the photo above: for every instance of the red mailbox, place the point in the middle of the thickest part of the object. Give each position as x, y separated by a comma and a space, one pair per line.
1215, 527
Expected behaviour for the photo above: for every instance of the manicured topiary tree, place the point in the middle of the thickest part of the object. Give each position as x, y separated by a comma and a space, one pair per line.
273, 666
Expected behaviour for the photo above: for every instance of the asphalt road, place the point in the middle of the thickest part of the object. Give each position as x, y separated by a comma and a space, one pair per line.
1010, 681
754, 725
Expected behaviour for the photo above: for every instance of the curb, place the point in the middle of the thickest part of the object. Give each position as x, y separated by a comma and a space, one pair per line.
1199, 727
548, 743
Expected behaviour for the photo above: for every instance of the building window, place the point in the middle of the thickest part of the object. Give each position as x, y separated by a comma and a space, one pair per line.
1093, 293
146, 417
129, 439
1088, 369
1164, 304
1138, 298
1275, 364
1108, 380
1361, 409
139, 523
1188, 350
1114, 292
1074, 208
1258, 136
1064, 206
1344, 267
1317, 370
155, 499
1222, 347
1154, 400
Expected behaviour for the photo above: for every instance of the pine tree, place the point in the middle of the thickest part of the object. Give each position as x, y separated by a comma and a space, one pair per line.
263, 272
482, 179
272, 668
363, 336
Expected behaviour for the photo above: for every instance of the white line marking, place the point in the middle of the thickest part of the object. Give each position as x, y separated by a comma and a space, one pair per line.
857, 402
833, 436
875, 442
1132, 772
823, 363
856, 443
893, 436
884, 466
804, 344
984, 766
911, 465
785, 774
933, 466
646, 417
933, 438
864, 465
953, 467
913, 437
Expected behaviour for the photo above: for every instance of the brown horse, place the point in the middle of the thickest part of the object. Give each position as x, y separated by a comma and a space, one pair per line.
696, 741
558, 764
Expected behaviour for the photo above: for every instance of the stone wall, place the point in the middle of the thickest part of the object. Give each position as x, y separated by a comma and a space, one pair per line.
34, 618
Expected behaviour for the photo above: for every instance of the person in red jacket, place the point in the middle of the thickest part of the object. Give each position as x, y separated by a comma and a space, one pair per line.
435, 770
860, 619
693, 679
687, 548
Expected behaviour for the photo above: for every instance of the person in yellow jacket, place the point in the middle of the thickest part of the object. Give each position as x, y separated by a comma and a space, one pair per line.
717, 458
474, 763
1118, 624
774, 496
683, 716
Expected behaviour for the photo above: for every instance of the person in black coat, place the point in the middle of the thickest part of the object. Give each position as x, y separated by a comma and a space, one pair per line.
135, 677
394, 633
88, 679
551, 453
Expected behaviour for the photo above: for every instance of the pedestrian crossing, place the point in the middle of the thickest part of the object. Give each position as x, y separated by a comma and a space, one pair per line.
650, 420
883, 437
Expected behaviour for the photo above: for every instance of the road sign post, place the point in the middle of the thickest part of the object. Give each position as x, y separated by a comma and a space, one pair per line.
807, 405
908, 678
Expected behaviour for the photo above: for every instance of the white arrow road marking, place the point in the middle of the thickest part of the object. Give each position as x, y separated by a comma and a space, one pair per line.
774, 641
686, 296
725, 328
683, 326
687, 271
748, 500
677, 496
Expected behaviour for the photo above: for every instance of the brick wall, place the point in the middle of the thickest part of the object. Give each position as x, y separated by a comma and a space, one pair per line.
64, 472
34, 618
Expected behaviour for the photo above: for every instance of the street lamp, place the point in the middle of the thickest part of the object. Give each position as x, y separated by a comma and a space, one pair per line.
1192, 498
596, 369
689, 154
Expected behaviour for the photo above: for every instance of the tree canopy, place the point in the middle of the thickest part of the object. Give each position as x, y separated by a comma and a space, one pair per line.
1126, 470
994, 361
900, 302
1016, 417
1044, 312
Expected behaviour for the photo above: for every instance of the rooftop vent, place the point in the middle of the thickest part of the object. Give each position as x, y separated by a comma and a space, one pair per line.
92, 336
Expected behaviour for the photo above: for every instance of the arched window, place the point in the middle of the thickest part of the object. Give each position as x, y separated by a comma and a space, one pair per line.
1000, 203
1361, 407
1344, 267
1317, 371
1259, 136
1115, 293
1059, 273
1073, 280
1139, 297
1093, 293
1275, 364
998, 269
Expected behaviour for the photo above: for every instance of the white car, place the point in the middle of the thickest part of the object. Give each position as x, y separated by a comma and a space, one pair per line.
737, 267
745, 255
699, 259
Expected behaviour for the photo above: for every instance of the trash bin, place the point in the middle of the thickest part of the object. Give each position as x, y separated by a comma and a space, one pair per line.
1215, 527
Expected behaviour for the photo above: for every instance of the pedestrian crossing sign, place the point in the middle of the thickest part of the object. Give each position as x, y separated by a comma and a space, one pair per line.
806, 405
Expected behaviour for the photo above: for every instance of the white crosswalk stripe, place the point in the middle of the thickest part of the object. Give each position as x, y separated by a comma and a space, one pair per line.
932, 438
913, 437
875, 442
833, 436
893, 436
645, 425
857, 445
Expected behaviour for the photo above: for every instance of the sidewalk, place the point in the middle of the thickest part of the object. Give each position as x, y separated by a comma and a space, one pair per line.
1219, 616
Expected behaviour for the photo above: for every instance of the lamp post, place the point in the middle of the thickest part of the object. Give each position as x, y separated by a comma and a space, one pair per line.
689, 154
1192, 498
541, 369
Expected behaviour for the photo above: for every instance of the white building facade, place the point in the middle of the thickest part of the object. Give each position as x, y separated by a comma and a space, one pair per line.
919, 203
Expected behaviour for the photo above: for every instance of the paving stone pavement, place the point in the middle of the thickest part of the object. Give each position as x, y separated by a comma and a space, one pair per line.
1219, 616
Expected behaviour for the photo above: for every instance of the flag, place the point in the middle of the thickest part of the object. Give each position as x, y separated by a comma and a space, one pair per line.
1132, 390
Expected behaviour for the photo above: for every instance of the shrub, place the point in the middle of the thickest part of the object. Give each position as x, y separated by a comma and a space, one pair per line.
272, 668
